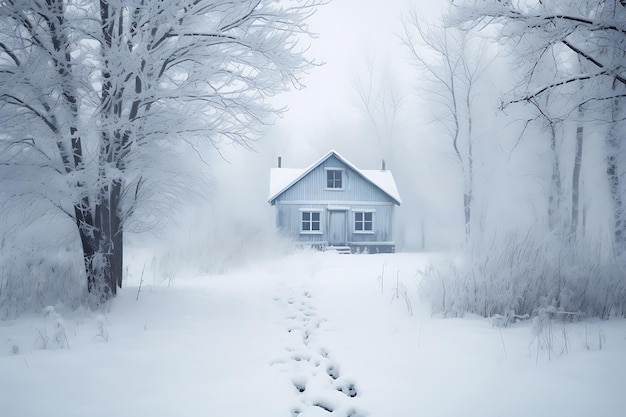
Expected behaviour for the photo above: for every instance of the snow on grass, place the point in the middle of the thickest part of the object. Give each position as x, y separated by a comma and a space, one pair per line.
313, 334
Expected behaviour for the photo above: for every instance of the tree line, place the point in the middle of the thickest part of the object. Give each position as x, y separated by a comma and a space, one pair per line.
566, 79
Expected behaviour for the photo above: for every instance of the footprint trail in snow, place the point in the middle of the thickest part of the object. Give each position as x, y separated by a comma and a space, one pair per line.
319, 385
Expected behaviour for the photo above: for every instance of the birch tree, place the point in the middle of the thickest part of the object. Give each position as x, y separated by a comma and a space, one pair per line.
586, 31
551, 122
99, 92
454, 63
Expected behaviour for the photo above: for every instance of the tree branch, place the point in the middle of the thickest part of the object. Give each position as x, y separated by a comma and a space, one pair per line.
591, 59
553, 85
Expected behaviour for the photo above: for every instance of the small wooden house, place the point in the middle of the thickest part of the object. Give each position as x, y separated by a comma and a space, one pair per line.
333, 204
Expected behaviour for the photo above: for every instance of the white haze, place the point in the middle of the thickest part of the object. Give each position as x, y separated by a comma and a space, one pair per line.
510, 176
231, 222
326, 114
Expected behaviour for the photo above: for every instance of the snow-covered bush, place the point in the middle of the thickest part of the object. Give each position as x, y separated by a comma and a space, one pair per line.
233, 245
517, 276
31, 279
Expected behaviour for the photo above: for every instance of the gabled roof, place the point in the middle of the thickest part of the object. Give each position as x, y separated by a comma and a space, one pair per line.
281, 179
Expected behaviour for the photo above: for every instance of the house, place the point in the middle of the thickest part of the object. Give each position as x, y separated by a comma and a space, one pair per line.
334, 204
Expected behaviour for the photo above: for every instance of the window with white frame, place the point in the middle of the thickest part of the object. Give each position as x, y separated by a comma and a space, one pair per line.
363, 222
334, 179
311, 221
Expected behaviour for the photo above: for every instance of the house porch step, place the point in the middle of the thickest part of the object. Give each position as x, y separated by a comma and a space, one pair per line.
344, 250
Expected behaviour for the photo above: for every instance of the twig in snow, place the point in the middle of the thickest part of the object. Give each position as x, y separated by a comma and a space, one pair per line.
140, 281
502, 340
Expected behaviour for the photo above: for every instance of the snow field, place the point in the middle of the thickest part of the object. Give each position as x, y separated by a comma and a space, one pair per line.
409, 365
312, 334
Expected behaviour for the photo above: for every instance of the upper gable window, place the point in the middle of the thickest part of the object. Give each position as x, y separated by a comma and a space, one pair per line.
334, 179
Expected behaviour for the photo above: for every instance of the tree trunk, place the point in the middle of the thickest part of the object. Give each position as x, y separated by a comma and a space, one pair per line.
469, 181
555, 196
106, 242
467, 210
576, 175
613, 174
87, 217
110, 191
117, 256
96, 265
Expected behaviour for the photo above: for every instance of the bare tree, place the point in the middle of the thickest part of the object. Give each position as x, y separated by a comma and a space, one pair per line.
578, 155
552, 123
614, 169
381, 101
590, 32
454, 62
136, 81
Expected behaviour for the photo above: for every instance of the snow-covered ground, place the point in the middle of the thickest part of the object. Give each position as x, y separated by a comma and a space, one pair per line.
313, 334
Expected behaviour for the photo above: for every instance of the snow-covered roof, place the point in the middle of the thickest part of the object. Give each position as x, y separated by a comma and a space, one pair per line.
383, 180
283, 178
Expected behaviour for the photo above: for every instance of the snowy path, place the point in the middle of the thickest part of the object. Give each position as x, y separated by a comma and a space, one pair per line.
311, 335
312, 369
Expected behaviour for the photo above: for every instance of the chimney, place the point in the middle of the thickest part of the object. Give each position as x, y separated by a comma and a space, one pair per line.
383, 166
280, 162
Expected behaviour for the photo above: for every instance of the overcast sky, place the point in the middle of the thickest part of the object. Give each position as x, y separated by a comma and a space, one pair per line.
349, 32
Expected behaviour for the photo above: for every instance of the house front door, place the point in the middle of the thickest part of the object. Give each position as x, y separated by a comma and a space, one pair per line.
337, 230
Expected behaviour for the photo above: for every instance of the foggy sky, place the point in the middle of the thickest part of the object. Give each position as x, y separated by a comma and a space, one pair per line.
510, 187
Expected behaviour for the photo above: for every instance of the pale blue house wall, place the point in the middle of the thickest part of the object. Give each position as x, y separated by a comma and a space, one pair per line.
288, 220
310, 192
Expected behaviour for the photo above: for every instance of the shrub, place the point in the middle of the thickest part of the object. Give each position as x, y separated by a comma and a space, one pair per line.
32, 279
515, 277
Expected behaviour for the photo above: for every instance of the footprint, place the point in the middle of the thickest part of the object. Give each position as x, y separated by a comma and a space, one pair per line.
314, 323
348, 388
299, 384
324, 406
355, 413
333, 371
298, 357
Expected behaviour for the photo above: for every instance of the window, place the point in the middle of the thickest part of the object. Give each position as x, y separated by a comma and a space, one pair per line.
334, 179
311, 222
363, 221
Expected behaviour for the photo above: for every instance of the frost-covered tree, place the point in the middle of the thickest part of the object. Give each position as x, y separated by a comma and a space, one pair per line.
587, 39
552, 122
100, 98
453, 61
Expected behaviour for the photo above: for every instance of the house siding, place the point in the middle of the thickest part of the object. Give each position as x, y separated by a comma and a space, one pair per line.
383, 223
358, 194
289, 221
